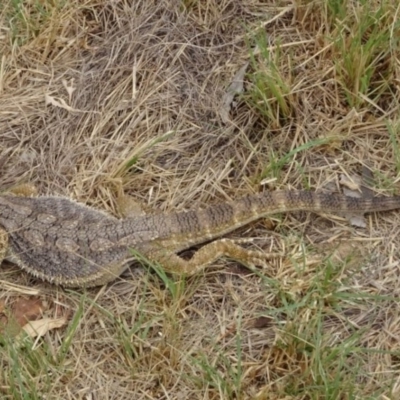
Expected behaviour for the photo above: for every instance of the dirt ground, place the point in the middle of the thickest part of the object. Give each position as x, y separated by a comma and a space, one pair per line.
168, 101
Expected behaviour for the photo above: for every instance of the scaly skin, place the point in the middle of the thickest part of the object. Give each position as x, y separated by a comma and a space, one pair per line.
70, 244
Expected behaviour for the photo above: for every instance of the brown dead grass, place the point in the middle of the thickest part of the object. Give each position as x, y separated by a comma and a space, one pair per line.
100, 96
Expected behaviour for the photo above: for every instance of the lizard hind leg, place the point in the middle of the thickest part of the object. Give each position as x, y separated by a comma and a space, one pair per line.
209, 253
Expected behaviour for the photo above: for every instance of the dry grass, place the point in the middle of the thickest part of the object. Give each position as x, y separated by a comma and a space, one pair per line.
97, 96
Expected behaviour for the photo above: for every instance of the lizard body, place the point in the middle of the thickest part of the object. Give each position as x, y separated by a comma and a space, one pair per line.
70, 244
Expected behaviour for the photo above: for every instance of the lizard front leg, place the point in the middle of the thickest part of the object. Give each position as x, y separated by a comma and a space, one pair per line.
23, 190
206, 255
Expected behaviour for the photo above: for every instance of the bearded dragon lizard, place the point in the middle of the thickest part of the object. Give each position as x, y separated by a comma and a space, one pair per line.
70, 244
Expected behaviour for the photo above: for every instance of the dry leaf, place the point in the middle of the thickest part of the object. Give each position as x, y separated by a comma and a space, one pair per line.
352, 185
37, 329
233, 89
357, 220
40, 327
22, 311
25, 310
